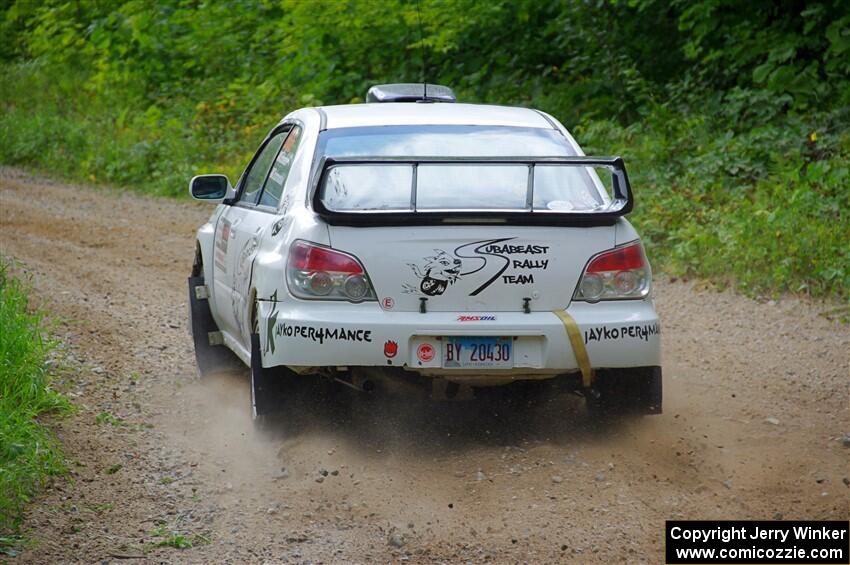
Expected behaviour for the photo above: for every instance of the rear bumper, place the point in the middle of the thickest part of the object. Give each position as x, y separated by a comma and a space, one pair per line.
300, 334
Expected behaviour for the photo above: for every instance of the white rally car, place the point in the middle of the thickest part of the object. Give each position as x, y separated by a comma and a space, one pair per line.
420, 242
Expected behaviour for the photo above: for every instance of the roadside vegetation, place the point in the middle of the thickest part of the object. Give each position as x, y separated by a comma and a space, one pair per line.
29, 454
733, 117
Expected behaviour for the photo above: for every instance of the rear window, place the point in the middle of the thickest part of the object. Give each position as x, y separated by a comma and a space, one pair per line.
459, 185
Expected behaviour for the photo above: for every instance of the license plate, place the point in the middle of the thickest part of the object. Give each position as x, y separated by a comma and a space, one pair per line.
478, 353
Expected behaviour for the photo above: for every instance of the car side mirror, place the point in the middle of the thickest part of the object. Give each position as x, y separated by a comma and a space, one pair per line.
209, 188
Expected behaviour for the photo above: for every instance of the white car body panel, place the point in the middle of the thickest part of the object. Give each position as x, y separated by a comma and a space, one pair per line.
617, 334
359, 115
490, 268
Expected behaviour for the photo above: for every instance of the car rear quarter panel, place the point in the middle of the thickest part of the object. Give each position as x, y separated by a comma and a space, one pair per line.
293, 221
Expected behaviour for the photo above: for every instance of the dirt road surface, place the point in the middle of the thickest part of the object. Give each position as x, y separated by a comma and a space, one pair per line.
756, 407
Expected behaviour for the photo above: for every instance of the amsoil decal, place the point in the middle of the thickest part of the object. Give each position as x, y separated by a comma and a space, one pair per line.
426, 352
319, 335
476, 318
640, 331
390, 349
495, 259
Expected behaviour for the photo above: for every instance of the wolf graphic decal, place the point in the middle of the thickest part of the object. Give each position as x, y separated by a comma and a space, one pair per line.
437, 272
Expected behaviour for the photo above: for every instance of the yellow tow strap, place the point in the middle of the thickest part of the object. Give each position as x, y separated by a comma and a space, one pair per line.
578, 347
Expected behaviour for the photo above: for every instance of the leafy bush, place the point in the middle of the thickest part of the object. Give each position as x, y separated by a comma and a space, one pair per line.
766, 209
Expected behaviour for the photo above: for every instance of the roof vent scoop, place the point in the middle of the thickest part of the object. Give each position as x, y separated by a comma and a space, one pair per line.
410, 92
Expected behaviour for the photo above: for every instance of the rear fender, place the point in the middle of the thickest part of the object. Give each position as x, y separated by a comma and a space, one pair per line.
268, 277
624, 232
204, 247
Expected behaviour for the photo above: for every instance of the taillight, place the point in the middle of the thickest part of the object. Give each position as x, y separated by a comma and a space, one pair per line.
620, 273
319, 272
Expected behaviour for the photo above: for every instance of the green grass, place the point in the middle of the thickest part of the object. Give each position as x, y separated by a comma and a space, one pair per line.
29, 454
108, 418
163, 536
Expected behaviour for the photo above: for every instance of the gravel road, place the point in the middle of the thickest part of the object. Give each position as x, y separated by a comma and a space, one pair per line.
756, 409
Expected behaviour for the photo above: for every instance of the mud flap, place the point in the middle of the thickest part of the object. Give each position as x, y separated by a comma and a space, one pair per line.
210, 358
651, 389
627, 390
259, 381
268, 385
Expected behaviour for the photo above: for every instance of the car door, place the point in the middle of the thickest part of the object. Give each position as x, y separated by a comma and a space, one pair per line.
237, 238
260, 197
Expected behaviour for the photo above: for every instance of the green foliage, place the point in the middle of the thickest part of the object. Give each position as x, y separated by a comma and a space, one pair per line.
169, 537
108, 418
786, 47
113, 136
28, 452
767, 208
711, 101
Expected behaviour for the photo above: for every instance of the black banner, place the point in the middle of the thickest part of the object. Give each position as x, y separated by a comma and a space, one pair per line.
757, 542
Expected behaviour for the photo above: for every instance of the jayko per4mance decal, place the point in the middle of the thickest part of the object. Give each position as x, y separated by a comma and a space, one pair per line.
638, 331
321, 334
493, 260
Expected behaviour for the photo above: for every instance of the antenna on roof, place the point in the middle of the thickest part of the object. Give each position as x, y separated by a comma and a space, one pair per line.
422, 45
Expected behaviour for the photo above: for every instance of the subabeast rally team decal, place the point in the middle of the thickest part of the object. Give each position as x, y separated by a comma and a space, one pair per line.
437, 272
494, 260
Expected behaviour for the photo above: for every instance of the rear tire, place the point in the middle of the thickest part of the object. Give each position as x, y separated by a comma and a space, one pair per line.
209, 358
637, 390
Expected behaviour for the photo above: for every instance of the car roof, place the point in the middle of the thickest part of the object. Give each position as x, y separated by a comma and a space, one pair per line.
413, 113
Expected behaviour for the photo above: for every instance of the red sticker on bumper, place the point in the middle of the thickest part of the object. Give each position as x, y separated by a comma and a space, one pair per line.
426, 352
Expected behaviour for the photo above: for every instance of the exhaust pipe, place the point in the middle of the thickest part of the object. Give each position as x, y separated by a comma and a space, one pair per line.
366, 385
379, 380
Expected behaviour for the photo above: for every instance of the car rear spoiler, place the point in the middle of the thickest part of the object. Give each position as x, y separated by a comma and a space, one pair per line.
620, 205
